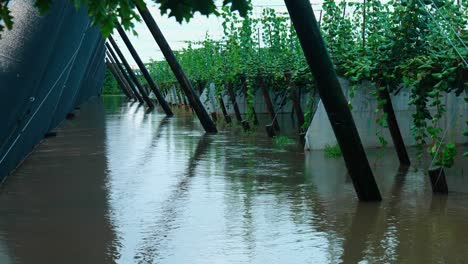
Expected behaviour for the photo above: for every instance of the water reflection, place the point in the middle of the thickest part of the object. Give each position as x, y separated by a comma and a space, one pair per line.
162, 192
152, 244
54, 208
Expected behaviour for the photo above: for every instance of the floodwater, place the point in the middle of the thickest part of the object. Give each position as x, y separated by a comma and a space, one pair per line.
120, 186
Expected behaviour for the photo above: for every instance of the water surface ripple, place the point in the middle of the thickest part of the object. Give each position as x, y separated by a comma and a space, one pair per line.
121, 186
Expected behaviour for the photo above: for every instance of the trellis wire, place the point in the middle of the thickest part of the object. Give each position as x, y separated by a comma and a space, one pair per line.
443, 34
450, 26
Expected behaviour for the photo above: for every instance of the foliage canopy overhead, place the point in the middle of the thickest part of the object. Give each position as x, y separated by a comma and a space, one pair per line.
105, 13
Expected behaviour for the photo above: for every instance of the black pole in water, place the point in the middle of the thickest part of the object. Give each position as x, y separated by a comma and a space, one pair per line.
296, 101
269, 104
232, 96
336, 106
130, 72
392, 122
123, 73
144, 71
185, 84
223, 109
115, 71
123, 76
117, 78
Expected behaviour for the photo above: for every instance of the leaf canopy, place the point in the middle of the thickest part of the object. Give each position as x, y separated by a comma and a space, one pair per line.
105, 13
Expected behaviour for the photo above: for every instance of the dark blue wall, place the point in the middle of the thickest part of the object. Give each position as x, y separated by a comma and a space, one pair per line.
48, 66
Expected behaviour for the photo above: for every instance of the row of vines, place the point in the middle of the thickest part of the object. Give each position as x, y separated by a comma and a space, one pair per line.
416, 44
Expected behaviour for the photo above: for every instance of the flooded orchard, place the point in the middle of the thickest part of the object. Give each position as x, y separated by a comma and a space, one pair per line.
118, 185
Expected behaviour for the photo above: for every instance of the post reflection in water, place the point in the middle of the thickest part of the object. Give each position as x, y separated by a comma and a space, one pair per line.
125, 186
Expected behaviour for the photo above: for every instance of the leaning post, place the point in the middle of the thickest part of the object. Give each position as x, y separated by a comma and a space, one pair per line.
115, 60
336, 106
131, 73
185, 84
119, 81
144, 71
118, 75
393, 127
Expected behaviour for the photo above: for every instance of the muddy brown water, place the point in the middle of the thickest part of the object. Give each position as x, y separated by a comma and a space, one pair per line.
120, 186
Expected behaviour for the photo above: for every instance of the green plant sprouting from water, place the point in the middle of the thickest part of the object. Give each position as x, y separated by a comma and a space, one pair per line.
283, 141
332, 151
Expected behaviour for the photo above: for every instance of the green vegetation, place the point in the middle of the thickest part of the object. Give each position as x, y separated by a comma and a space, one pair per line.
254, 52
110, 84
332, 151
106, 13
283, 141
445, 158
412, 44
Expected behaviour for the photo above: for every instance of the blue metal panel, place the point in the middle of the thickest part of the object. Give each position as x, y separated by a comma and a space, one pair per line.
73, 83
87, 88
44, 62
